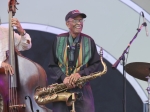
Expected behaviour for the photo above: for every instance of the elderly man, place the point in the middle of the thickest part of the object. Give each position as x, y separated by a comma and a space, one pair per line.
72, 56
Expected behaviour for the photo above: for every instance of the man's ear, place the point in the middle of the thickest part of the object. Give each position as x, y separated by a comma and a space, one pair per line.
67, 24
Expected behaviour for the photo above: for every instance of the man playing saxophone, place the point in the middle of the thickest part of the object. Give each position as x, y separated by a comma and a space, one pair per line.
72, 56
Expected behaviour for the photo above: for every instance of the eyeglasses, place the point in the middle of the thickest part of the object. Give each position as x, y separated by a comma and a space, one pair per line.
77, 21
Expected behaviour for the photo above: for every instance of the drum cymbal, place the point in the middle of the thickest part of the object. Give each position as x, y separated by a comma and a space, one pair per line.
138, 70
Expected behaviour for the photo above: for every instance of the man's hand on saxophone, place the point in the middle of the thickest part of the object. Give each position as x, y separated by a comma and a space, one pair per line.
66, 82
73, 79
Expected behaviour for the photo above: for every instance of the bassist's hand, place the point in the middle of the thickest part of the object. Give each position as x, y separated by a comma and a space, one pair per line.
8, 68
15, 22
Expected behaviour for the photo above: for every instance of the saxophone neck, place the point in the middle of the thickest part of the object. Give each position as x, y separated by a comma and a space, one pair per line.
103, 63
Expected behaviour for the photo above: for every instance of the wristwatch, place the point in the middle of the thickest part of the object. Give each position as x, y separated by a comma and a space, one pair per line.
24, 33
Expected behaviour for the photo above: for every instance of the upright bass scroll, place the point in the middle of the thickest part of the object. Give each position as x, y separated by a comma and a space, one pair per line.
12, 6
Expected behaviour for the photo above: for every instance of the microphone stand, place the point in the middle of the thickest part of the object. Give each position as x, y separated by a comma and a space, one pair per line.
122, 57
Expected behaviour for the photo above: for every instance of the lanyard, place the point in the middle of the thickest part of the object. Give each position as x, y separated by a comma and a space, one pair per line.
73, 52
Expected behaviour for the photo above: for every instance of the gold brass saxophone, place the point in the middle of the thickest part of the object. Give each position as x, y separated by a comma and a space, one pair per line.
58, 92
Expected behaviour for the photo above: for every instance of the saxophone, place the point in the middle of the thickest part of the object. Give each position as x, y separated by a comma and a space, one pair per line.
58, 92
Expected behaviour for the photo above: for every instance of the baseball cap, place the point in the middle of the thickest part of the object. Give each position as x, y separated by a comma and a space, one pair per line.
73, 14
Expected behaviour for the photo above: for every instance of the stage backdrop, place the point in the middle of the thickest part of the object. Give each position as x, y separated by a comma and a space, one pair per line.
107, 89
112, 23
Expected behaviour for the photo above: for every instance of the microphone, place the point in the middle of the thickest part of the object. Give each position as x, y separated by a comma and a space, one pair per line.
145, 24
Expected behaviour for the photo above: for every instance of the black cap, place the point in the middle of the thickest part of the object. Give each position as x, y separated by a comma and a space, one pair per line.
73, 14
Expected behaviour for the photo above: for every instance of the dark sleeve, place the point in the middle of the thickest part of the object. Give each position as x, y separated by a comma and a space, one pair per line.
53, 64
93, 63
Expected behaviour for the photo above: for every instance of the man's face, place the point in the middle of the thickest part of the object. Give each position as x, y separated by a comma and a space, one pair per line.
75, 24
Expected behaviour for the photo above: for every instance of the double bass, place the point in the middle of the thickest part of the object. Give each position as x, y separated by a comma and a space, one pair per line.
17, 90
